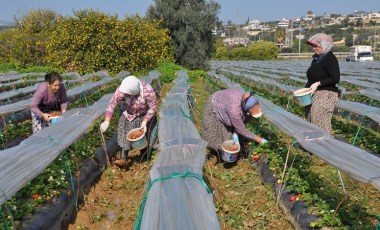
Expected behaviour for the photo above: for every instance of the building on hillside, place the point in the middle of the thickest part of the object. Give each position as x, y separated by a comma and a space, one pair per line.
360, 13
236, 41
309, 16
375, 17
284, 23
254, 24
253, 33
342, 42
326, 16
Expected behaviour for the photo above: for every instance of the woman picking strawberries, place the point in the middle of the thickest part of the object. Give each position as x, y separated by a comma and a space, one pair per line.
50, 97
224, 117
139, 105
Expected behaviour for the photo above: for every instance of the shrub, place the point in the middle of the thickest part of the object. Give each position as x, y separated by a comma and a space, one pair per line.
90, 41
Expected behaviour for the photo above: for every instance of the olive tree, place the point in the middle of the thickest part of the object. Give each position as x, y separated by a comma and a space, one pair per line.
191, 24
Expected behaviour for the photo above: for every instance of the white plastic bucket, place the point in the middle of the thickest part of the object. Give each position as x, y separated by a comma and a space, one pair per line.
229, 155
139, 142
303, 96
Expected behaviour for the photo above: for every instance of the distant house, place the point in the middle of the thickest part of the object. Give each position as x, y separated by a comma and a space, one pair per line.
236, 41
284, 23
309, 16
359, 13
254, 24
375, 17
342, 42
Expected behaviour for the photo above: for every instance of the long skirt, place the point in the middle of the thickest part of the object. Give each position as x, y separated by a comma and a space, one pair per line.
125, 126
320, 112
213, 130
38, 123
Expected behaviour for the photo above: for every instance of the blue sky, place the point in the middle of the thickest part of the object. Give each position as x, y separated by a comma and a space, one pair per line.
237, 11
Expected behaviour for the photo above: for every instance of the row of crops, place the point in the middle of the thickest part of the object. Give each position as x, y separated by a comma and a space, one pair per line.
47, 165
343, 202
43, 166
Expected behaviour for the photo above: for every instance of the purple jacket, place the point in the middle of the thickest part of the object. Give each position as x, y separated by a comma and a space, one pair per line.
43, 101
227, 107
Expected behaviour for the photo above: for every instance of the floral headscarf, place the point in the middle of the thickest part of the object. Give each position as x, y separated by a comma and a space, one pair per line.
322, 40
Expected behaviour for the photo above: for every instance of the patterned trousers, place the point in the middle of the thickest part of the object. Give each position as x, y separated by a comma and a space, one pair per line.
321, 110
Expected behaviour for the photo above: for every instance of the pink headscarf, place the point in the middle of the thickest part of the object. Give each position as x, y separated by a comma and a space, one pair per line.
322, 40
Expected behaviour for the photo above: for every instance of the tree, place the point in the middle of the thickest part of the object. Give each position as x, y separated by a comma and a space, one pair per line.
190, 23
280, 35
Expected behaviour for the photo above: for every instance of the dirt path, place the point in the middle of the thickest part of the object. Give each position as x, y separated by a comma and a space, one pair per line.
114, 201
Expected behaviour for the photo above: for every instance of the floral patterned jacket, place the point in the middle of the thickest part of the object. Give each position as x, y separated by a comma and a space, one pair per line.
143, 103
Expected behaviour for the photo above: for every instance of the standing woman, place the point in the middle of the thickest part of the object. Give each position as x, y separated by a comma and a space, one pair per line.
49, 97
139, 105
322, 77
224, 117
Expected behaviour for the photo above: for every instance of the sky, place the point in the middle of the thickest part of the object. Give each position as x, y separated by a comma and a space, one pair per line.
238, 11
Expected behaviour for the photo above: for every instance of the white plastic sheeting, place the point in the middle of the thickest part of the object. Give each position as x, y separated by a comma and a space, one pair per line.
18, 92
371, 93
74, 92
354, 161
359, 108
22, 163
355, 107
178, 197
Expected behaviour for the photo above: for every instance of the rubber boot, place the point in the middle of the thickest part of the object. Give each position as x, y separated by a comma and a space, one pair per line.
122, 162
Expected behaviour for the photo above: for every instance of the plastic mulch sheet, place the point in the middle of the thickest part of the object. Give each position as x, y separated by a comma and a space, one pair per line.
38, 151
74, 92
182, 201
355, 107
371, 93
359, 108
360, 83
354, 161
177, 197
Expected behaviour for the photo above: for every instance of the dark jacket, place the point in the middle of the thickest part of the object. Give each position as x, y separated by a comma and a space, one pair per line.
326, 71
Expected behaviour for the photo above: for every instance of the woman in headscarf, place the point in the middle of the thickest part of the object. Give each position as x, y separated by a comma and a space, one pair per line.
139, 105
50, 97
224, 117
322, 77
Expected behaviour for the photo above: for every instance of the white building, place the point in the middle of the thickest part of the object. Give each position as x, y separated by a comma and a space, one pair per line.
284, 23
254, 25
236, 41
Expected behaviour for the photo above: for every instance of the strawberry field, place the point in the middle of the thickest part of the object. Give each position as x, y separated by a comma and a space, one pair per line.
259, 192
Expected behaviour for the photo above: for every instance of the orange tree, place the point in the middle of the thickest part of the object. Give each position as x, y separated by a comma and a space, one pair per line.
25, 44
91, 40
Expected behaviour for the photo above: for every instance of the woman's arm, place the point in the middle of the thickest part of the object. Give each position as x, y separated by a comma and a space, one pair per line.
240, 128
63, 98
36, 100
151, 99
333, 72
116, 98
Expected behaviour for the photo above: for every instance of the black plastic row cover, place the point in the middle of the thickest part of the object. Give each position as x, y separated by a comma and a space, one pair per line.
62, 211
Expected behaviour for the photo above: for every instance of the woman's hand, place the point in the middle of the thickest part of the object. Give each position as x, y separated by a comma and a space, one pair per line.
46, 116
261, 140
104, 126
314, 86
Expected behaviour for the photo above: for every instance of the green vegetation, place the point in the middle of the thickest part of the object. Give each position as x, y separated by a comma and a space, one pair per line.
87, 42
190, 24
262, 50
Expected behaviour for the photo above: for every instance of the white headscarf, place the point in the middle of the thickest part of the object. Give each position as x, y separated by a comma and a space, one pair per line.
322, 40
130, 85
